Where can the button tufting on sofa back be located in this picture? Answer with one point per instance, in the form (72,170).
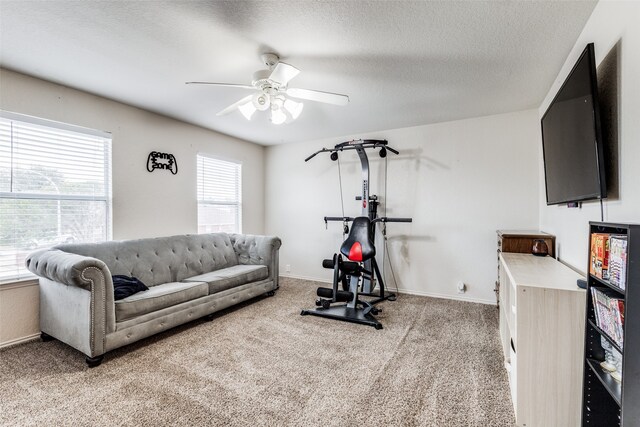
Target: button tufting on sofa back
(163,259)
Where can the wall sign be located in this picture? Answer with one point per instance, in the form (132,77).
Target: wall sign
(158,160)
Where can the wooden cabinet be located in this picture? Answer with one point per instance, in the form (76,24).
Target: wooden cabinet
(521,241)
(542,332)
(607,402)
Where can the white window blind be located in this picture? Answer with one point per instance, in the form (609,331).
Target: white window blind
(55,187)
(219,196)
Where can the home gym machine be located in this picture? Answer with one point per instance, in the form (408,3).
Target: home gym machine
(359,275)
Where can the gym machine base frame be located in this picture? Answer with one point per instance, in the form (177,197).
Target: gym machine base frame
(347,314)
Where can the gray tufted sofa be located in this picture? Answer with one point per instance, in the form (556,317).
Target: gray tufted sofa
(188,276)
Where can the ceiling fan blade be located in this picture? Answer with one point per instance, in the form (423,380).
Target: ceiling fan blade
(221,84)
(283,73)
(235,105)
(318,96)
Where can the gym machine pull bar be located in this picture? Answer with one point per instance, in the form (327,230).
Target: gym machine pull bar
(380,219)
(353,145)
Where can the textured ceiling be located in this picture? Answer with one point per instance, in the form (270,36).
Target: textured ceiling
(402,63)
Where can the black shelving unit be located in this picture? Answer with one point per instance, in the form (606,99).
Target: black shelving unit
(606,402)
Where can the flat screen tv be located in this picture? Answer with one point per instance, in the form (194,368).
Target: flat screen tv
(572,138)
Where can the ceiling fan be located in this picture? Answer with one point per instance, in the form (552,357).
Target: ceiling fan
(271,92)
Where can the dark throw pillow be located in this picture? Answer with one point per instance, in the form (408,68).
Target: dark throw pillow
(124,286)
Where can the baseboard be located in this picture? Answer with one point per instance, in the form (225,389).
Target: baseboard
(405,291)
(446,296)
(19,340)
(313,279)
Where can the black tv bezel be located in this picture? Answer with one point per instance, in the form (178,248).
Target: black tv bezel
(602,194)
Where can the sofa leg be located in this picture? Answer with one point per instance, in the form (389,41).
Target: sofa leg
(271,293)
(46,337)
(92,362)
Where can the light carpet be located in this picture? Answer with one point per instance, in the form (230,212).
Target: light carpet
(436,363)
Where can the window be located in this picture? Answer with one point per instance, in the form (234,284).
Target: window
(55,187)
(219,196)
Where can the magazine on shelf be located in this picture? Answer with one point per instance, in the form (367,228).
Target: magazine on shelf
(618,260)
(599,262)
(609,313)
(618,309)
(596,308)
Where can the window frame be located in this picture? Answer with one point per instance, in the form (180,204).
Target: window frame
(239,203)
(107,165)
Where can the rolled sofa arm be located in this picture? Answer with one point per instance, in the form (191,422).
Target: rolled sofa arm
(76,298)
(65,267)
(258,250)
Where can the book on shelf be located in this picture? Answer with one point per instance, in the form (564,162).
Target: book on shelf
(617,260)
(609,313)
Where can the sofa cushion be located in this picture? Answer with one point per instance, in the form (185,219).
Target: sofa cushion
(227,278)
(159,297)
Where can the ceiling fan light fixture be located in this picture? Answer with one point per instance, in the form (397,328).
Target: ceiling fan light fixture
(271,93)
(247,109)
(261,101)
(278,116)
(294,108)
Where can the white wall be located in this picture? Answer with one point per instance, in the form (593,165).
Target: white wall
(460,181)
(144,204)
(611,24)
